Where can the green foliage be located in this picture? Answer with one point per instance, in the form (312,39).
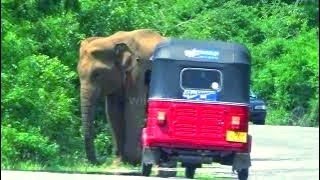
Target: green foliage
(56,40)
(40,41)
(278,117)
(19,145)
(41,96)
(103,144)
(289,78)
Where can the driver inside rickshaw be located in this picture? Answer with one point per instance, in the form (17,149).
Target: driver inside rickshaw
(201,79)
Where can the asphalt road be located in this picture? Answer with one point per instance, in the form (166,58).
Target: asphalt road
(278,153)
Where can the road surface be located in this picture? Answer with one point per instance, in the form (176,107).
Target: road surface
(278,153)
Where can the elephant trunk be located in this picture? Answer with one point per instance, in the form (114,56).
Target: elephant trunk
(88,99)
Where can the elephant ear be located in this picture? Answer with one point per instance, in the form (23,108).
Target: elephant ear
(125,56)
(120,48)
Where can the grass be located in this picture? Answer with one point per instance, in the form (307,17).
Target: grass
(80,167)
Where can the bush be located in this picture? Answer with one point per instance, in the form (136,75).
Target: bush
(277,117)
(23,145)
(287,78)
(47,104)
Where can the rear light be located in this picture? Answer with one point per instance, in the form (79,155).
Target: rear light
(161,116)
(235,122)
(238,118)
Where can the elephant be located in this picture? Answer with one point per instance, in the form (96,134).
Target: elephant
(113,68)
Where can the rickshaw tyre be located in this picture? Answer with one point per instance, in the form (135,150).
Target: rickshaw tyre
(165,174)
(243,174)
(146,169)
(190,172)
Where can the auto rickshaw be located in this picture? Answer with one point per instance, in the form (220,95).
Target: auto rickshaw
(198,106)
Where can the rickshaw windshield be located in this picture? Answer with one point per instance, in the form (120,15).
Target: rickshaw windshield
(201,79)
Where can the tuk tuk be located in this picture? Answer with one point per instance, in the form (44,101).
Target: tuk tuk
(198,106)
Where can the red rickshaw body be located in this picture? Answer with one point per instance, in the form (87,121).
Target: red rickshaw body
(204,125)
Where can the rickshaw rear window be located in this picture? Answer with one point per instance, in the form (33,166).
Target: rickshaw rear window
(198,78)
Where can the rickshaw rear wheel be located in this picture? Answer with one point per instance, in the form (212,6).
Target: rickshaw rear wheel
(190,171)
(243,174)
(146,169)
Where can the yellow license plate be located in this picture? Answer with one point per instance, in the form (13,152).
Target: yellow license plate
(236,136)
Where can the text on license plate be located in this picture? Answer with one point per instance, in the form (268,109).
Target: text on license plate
(236,136)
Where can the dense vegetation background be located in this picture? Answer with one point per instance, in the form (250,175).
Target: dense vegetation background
(40,41)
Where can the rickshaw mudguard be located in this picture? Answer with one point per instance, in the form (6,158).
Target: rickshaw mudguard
(150,155)
(242,160)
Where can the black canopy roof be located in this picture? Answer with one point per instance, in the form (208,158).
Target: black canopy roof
(198,50)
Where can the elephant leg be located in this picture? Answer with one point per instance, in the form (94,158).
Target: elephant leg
(134,117)
(115,111)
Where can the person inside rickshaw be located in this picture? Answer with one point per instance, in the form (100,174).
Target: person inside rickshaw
(201,79)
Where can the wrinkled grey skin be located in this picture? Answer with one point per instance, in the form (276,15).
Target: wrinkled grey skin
(113,67)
